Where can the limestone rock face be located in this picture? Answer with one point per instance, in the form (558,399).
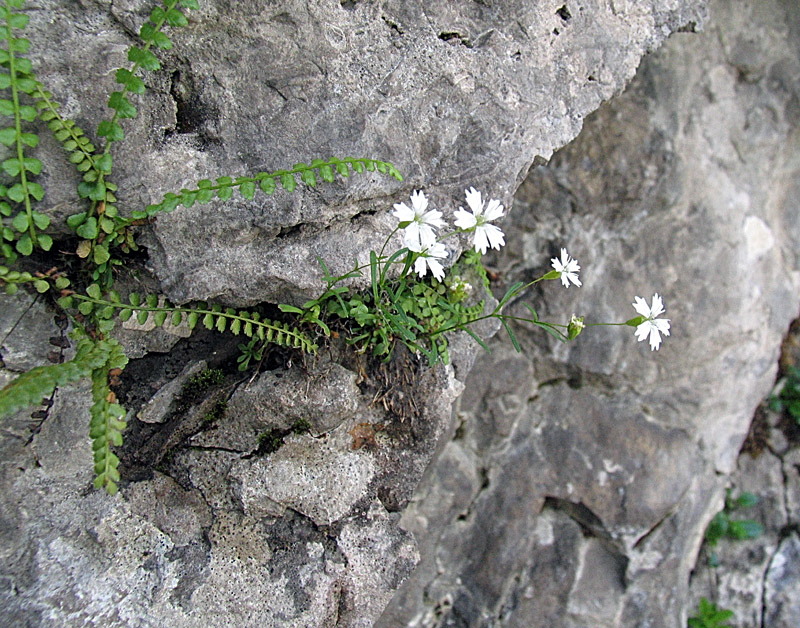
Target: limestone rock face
(573,484)
(454,93)
(685,185)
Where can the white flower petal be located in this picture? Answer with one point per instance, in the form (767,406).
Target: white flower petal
(642,330)
(480,240)
(403,212)
(494,235)
(433,218)
(474,201)
(663,325)
(419,202)
(420,266)
(573,278)
(657,307)
(641,307)
(655,339)
(464,220)
(436,268)
(494,210)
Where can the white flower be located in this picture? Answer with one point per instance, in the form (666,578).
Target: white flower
(652,326)
(486,235)
(419,230)
(427,259)
(568,268)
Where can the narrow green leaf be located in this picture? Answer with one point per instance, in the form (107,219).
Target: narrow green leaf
(511,336)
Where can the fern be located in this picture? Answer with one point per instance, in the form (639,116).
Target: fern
(31,387)
(26,226)
(268,182)
(107,424)
(151,34)
(213,316)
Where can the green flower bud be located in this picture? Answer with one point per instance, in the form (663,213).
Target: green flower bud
(575,327)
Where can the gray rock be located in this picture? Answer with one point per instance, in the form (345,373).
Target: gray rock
(259,87)
(685,186)
(283,401)
(157,409)
(782,585)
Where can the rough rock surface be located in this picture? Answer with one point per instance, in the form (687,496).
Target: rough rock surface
(454,93)
(580,478)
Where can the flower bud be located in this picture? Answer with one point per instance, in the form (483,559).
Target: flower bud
(575,327)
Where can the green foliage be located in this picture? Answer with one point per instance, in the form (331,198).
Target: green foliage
(709,616)
(787,399)
(10,280)
(93,359)
(103,234)
(723,526)
(216,412)
(267,182)
(141,58)
(202,381)
(21,225)
(107,422)
(212,316)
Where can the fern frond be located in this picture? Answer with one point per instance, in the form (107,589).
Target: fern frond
(30,388)
(107,420)
(268,182)
(213,316)
(26,226)
(142,58)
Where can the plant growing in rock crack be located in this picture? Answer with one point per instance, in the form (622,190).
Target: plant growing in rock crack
(418,311)
(105,235)
(410,297)
(724,526)
(786,397)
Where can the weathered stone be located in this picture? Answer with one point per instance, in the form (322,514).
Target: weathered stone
(317,401)
(685,186)
(318,480)
(782,607)
(157,409)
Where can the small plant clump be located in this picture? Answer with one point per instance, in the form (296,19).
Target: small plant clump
(787,397)
(724,526)
(415,293)
(202,381)
(710,616)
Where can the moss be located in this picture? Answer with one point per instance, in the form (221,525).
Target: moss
(202,381)
(216,412)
